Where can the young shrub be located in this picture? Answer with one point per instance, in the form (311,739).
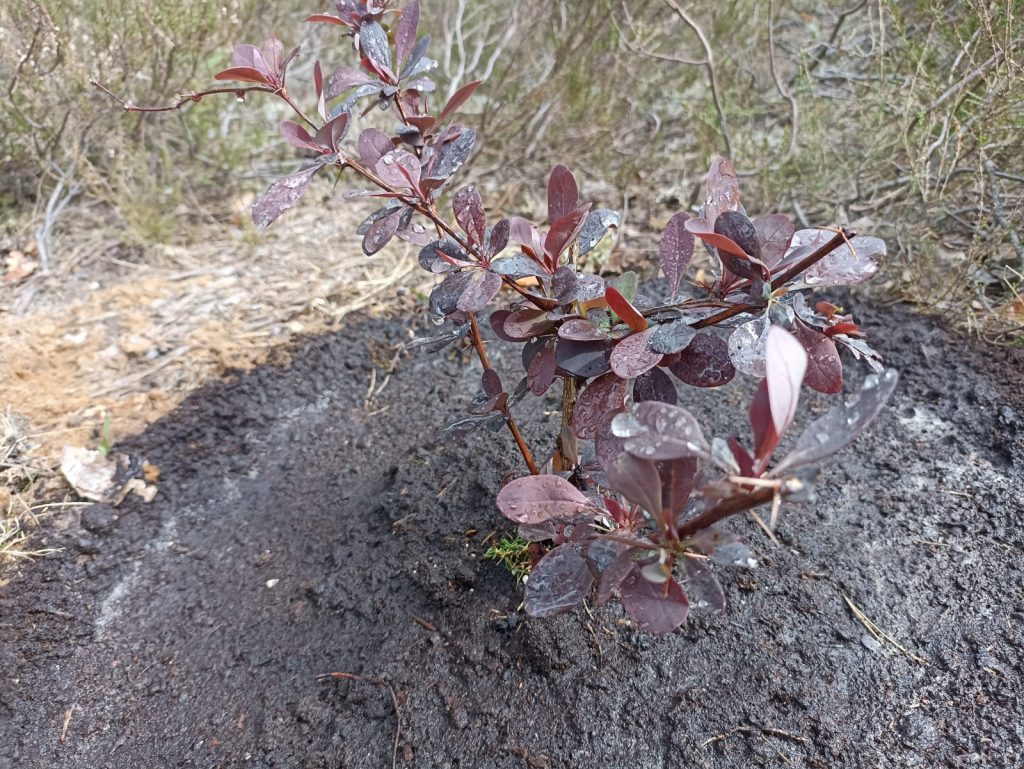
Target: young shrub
(630,498)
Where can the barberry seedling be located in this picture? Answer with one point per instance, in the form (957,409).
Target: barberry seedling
(632,491)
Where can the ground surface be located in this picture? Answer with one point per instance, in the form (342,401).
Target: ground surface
(302,528)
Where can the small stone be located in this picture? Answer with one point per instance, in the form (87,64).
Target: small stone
(870,642)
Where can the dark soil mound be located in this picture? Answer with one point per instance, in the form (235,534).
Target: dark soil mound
(299,532)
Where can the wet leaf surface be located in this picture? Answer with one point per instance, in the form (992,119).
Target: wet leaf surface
(657,609)
(559,581)
(632,356)
(597,404)
(705,362)
(536,499)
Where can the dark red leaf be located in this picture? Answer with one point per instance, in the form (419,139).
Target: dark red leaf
(658,431)
(405,33)
(633,355)
(621,306)
(541,372)
(654,385)
(480,290)
(242,74)
(602,399)
(739,230)
(559,581)
(657,609)
(583,359)
(469,213)
(678,477)
(444,298)
(282,195)
(637,480)
(824,368)
(373,144)
(525,324)
(298,136)
(458,99)
(563,193)
(766,438)
(704,362)
(563,232)
(535,499)
(774,234)
(676,250)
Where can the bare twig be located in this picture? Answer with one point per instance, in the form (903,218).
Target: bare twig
(877,633)
(999,211)
(63,193)
(794,106)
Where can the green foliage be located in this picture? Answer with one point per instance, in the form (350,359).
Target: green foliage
(514,554)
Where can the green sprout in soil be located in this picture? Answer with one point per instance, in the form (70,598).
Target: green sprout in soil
(514,554)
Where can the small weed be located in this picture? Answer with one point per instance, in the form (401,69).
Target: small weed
(514,554)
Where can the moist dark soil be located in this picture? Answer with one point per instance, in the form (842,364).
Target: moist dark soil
(300,529)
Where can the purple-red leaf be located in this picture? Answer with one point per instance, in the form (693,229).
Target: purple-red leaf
(637,480)
(601,400)
(659,431)
(381,232)
(657,609)
(538,498)
(704,362)
(399,169)
(481,289)
(298,136)
(458,99)
(559,581)
(541,372)
(622,307)
(373,144)
(282,195)
(405,33)
(563,232)
(469,213)
(839,426)
(824,368)
(563,193)
(633,355)
(676,250)
(774,234)
(654,385)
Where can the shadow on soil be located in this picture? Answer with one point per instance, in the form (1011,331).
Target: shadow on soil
(298,532)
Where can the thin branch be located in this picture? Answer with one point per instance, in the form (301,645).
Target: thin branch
(709,64)
(738,503)
(794,106)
